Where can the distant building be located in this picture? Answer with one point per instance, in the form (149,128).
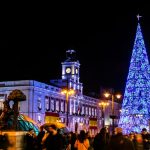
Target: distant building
(45,103)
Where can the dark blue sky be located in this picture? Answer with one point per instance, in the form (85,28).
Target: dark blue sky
(102,35)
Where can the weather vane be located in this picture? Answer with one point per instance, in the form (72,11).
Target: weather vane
(70,51)
(138,17)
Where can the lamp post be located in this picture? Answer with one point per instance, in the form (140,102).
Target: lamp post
(103,105)
(67,92)
(112,116)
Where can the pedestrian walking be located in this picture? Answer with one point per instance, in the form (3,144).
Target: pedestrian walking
(82,142)
(101,140)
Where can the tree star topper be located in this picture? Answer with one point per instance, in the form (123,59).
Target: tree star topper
(138,17)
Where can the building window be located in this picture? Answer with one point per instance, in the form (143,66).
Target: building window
(82,109)
(62,106)
(52,104)
(79,109)
(57,105)
(65,106)
(72,107)
(47,104)
(76,106)
(86,110)
(93,112)
(39,118)
(39,104)
(90,111)
(62,120)
(87,122)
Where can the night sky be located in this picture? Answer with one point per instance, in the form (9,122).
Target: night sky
(102,35)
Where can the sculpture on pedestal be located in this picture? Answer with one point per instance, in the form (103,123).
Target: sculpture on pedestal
(8,117)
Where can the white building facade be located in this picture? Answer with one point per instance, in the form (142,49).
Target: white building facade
(45,103)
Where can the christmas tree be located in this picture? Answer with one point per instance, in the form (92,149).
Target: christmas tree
(135,112)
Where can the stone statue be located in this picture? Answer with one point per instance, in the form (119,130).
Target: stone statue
(6,116)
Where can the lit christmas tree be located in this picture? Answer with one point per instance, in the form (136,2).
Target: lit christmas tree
(135,112)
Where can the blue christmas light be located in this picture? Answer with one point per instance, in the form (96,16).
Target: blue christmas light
(135,113)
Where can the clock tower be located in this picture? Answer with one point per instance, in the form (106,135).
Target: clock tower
(70,71)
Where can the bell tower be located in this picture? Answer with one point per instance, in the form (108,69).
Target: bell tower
(70,71)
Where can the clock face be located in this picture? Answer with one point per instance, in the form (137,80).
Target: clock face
(76,71)
(68,70)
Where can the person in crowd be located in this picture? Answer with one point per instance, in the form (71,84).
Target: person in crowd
(138,142)
(90,138)
(38,140)
(72,140)
(136,139)
(119,142)
(131,136)
(146,139)
(30,139)
(82,142)
(2,139)
(52,139)
(68,141)
(4,142)
(101,140)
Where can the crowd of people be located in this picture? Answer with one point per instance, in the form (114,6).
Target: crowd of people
(50,138)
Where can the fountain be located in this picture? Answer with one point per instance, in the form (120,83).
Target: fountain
(13,125)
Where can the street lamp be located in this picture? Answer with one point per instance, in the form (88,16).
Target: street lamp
(67,92)
(112,116)
(103,105)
